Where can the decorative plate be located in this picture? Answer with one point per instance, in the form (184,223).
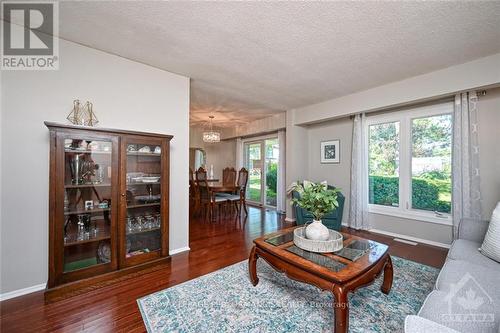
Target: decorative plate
(104,252)
(149,179)
(148,198)
(334,243)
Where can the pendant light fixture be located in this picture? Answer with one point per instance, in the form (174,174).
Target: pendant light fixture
(211,136)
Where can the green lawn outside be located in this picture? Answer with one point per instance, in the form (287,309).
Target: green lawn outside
(254,191)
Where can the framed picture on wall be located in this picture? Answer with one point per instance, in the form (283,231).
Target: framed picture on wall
(330,151)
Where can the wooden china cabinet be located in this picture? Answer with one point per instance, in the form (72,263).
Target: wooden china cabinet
(108,206)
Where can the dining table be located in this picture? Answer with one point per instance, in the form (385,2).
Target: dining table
(223,188)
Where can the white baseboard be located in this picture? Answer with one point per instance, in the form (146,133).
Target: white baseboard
(21,292)
(410,238)
(290,219)
(405,241)
(182,249)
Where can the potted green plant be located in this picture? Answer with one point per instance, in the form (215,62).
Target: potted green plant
(318,200)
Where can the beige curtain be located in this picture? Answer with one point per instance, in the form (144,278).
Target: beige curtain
(358,203)
(466,178)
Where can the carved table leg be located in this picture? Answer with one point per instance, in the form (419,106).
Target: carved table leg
(388,272)
(252,267)
(341,310)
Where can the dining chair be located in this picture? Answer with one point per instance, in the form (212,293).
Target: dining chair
(201,174)
(228,176)
(228,180)
(240,197)
(208,200)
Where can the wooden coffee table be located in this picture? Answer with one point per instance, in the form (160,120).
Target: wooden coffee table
(328,271)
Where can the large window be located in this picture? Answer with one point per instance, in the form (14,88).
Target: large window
(409,163)
(383,164)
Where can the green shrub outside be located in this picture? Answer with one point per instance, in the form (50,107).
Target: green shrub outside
(426,193)
(272,179)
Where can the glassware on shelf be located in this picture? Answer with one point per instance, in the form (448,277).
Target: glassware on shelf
(81,229)
(66,202)
(99,174)
(94,230)
(130,224)
(149,222)
(139,224)
(157,220)
(76,167)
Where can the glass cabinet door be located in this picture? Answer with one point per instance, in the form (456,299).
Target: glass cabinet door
(88,192)
(142,219)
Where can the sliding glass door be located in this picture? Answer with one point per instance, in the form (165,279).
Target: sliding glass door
(261,160)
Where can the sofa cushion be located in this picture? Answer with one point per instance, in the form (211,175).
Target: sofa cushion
(491,244)
(455,271)
(416,324)
(446,309)
(465,250)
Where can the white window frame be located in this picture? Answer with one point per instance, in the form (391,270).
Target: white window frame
(405,118)
(262,140)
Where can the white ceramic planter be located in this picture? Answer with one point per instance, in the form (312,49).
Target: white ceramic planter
(317,231)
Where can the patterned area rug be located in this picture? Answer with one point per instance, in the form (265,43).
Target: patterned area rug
(226,301)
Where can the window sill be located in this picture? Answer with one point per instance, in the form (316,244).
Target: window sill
(411,215)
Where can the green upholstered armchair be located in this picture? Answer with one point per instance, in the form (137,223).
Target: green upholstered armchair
(332,220)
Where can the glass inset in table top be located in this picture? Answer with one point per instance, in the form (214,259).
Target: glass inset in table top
(355,250)
(317,258)
(280,239)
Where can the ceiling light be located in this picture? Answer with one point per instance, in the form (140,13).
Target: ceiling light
(211,136)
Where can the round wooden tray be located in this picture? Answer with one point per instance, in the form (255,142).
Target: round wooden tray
(334,243)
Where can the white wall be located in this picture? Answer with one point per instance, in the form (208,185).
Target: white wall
(126,95)
(338,175)
(296,155)
(489,163)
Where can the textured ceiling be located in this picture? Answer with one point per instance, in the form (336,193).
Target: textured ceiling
(250,59)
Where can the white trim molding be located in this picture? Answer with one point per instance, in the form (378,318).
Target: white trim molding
(416,215)
(21,292)
(179,250)
(410,238)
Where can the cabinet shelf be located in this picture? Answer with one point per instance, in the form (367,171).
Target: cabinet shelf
(133,184)
(90,240)
(153,204)
(71,151)
(71,186)
(142,154)
(142,231)
(85,211)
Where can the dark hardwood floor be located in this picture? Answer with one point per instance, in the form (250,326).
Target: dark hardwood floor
(213,245)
